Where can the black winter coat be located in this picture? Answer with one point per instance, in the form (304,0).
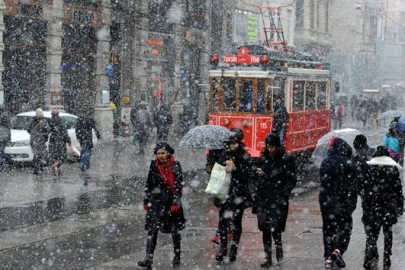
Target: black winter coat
(381,192)
(273,190)
(160,198)
(84,134)
(338,191)
(241,188)
(163,119)
(58,139)
(5,132)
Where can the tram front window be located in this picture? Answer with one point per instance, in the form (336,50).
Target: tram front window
(298,95)
(260,97)
(229,98)
(245,97)
(321,100)
(310,96)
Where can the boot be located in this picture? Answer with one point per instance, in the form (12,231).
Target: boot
(233,252)
(150,249)
(222,253)
(176,246)
(387,259)
(279,254)
(267,261)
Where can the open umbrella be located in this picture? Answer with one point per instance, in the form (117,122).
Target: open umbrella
(390,115)
(401,124)
(205,137)
(322,147)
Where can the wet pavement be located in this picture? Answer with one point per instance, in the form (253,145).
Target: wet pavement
(95,220)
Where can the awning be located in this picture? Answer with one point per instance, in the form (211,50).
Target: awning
(401,84)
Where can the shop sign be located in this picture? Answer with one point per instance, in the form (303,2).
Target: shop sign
(126,115)
(88,18)
(126,100)
(56,98)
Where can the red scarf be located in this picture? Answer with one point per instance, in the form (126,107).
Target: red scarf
(167,173)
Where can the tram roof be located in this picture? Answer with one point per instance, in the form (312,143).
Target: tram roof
(257,72)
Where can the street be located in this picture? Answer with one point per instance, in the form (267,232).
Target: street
(95,220)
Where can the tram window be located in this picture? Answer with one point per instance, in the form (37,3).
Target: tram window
(310,95)
(321,100)
(260,97)
(298,95)
(245,97)
(229,98)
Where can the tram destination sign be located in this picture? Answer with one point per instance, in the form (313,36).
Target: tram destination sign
(242,58)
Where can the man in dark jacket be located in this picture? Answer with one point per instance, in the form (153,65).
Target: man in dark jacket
(84,126)
(162,120)
(363,153)
(142,123)
(280,120)
(5,137)
(337,199)
(382,202)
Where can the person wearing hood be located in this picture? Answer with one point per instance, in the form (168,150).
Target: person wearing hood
(5,137)
(391,141)
(276,172)
(84,126)
(239,163)
(280,119)
(162,202)
(337,200)
(58,139)
(382,201)
(39,131)
(162,120)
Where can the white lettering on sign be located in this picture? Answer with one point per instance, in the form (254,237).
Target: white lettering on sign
(229,59)
(263,125)
(255,59)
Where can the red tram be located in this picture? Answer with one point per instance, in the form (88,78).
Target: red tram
(243,87)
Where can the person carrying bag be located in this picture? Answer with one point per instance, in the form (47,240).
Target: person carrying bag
(219,183)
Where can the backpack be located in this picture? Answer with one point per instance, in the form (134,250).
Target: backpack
(340,110)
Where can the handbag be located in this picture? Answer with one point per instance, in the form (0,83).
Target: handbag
(219,183)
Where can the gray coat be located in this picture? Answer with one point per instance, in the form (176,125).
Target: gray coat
(39,130)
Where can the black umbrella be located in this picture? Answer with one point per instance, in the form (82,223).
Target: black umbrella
(205,137)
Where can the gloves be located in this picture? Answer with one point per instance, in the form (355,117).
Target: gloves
(145,207)
(174,208)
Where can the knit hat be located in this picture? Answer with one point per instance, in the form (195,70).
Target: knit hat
(381,151)
(39,113)
(273,140)
(360,141)
(237,135)
(165,146)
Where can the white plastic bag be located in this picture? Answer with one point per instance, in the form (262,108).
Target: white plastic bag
(77,152)
(219,183)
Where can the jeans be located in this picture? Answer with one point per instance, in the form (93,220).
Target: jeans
(85,159)
(2,158)
(280,134)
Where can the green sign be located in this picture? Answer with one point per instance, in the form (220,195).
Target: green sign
(252,28)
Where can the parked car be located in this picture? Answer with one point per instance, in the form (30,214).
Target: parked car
(20,149)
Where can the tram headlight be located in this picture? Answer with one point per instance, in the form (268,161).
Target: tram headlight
(245,123)
(214,59)
(264,59)
(226,122)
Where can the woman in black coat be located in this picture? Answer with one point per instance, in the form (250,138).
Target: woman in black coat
(238,162)
(277,178)
(382,202)
(163,202)
(58,139)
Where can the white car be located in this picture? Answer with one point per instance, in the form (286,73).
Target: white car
(20,149)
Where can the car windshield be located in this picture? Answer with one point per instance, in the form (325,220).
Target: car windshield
(20,122)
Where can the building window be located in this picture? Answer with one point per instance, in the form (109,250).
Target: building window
(298,95)
(299,14)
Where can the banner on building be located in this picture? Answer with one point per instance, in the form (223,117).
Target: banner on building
(246,28)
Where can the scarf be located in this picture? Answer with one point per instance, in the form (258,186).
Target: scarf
(167,173)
